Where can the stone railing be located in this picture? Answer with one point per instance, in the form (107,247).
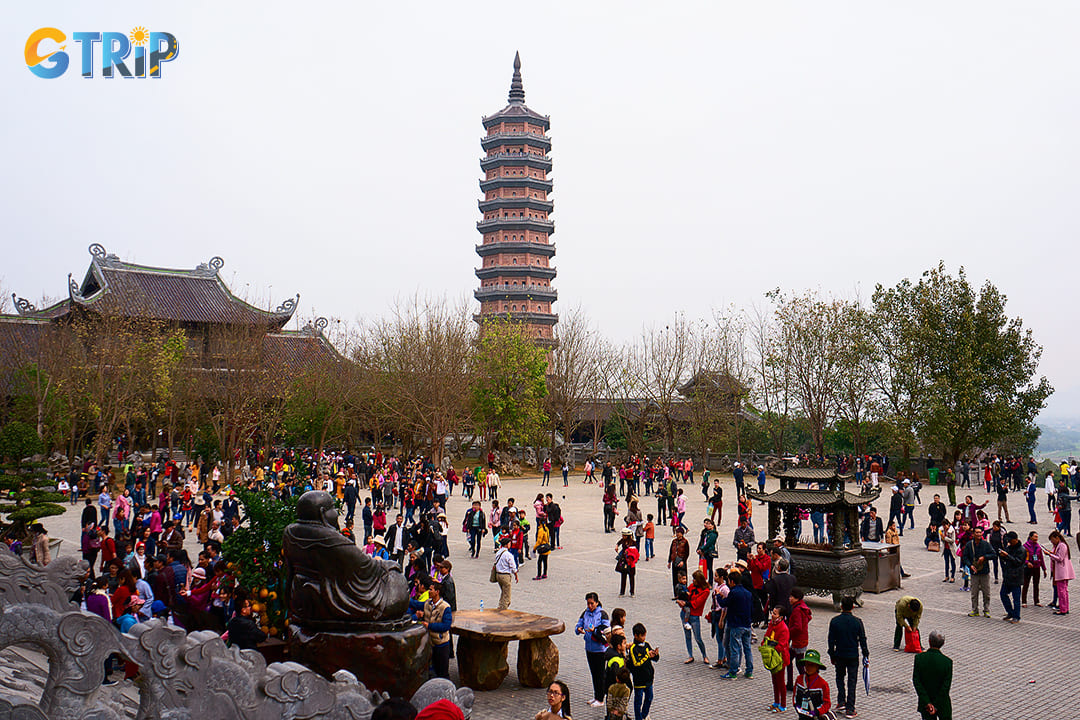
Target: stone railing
(180,675)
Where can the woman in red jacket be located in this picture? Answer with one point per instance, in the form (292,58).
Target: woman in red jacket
(699,592)
(777,635)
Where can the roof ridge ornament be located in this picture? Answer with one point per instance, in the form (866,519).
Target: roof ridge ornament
(517,89)
(22,305)
(289,305)
(315,327)
(98,252)
(73,287)
(210,269)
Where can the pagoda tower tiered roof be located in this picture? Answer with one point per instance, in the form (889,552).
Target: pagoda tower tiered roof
(516,251)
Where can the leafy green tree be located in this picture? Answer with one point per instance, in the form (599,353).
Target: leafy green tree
(19,440)
(253,551)
(982,364)
(856,398)
(28,491)
(900,373)
(970,369)
(510,386)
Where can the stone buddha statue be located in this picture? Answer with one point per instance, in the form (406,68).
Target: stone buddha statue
(333,584)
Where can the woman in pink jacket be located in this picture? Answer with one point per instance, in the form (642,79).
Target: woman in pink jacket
(1062,569)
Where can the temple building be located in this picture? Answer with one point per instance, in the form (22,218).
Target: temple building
(516,251)
(197,301)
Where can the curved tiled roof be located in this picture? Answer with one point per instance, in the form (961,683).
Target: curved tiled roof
(199,295)
(195,296)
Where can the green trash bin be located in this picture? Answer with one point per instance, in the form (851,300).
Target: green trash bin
(932,473)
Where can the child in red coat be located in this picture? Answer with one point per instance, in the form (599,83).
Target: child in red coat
(778,636)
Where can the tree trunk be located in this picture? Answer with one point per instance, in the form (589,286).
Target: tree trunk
(738,436)
(41,418)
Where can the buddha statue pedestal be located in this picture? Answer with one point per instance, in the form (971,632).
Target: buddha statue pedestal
(393,659)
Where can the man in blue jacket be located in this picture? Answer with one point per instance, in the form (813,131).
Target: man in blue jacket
(593,624)
(738,602)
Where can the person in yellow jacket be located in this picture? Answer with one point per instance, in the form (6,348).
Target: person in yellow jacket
(543,543)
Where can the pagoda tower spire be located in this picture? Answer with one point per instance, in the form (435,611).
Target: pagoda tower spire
(517,88)
(516,250)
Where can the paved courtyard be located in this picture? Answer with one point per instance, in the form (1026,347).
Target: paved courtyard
(1001,671)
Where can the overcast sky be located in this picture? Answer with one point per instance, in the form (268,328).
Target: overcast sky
(703,153)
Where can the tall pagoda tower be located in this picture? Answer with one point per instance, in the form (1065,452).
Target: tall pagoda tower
(515,254)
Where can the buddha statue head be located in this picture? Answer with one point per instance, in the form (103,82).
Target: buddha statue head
(317,507)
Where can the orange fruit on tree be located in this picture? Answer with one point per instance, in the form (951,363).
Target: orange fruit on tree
(263,593)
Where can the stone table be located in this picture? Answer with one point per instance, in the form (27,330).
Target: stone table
(484,637)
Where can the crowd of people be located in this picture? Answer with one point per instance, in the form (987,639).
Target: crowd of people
(134,542)
(622,662)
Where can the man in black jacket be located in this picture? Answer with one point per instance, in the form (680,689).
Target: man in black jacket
(397,539)
(1012,557)
(896,508)
(871,530)
(89,514)
(778,588)
(350,494)
(244,632)
(846,636)
(937,511)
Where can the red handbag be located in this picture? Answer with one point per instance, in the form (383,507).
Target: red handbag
(912,643)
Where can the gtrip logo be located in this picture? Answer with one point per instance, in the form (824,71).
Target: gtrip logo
(46,56)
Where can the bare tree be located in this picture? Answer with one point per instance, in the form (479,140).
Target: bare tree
(665,366)
(619,377)
(812,344)
(233,383)
(572,370)
(705,390)
(112,357)
(736,367)
(422,357)
(773,381)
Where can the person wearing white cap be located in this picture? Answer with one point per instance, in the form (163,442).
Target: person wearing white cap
(626,561)
(909,506)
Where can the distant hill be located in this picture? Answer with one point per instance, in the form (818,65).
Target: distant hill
(1059,439)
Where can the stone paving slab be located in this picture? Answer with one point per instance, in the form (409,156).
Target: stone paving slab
(1002,672)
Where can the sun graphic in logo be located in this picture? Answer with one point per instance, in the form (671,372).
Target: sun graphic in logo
(139,36)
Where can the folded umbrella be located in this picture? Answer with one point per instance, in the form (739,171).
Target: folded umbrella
(866,674)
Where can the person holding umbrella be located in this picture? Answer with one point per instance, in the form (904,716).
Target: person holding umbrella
(846,636)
